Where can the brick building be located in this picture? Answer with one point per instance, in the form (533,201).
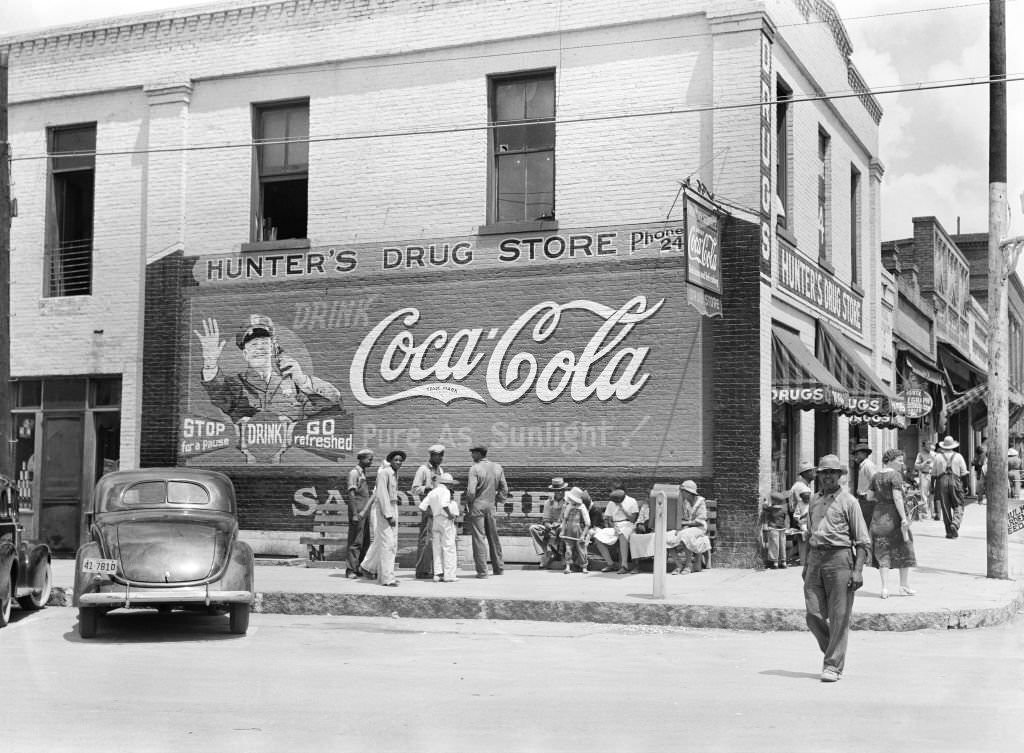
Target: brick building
(574,230)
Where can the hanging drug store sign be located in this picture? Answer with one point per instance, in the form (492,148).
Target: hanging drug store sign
(821,291)
(478,252)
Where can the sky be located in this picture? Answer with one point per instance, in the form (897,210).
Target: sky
(933,144)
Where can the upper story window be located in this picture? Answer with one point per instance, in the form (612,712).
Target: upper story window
(522,137)
(783,114)
(824,196)
(855,212)
(69,212)
(280,197)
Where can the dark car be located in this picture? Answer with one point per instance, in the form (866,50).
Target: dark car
(164,538)
(24,565)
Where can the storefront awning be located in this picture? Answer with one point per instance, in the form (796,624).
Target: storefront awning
(977,394)
(925,371)
(800,379)
(870,400)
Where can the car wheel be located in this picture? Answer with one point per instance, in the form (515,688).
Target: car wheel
(87,621)
(239,619)
(6,601)
(39,596)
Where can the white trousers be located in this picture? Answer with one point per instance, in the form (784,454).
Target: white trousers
(446,559)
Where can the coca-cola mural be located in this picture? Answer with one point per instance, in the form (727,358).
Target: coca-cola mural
(552,367)
(583,346)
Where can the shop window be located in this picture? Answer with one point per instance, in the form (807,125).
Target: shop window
(69,220)
(824,208)
(281,133)
(64,393)
(28,393)
(522,137)
(854,225)
(783,110)
(105,392)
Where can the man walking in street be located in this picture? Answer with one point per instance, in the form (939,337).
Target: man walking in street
(485,489)
(831,573)
(357,497)
(423,483)
(951,481)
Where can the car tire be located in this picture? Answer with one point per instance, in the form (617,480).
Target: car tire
(7,601)
(38,599)
(88,618)
(239,618)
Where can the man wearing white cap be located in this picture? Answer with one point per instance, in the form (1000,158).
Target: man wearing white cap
(443,511)
(951,479)
(423,482)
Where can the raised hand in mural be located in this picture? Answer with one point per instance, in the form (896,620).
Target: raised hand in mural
(210,342)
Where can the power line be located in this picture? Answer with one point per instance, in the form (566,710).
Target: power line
(558,121)
(335,65)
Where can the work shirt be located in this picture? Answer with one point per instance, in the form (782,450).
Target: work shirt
(836,521)
(866,472)
(486,484)
(438,500)
(425,479)
(358,492)
(385,494)
(949,460)
(797,504)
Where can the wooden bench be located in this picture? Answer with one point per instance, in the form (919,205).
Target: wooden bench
(330,528)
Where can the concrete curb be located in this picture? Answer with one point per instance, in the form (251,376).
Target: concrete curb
(762,619)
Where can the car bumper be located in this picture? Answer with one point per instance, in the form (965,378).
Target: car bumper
(127,596)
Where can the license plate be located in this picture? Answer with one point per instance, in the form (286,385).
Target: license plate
(95,565)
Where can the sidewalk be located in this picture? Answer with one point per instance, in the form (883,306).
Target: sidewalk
(952,592)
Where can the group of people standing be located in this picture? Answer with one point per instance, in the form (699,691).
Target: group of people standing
(373,517)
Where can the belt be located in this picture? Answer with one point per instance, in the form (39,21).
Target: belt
(829,547)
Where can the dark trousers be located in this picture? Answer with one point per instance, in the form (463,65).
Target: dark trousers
(425,547)
(358,543)
(829,601)
(950,495)
(485,537)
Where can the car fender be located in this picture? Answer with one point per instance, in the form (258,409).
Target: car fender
(238,576)
(8,560)
(85,582)
(38,556)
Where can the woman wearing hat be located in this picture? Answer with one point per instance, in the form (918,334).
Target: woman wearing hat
(951,477)
(892,544)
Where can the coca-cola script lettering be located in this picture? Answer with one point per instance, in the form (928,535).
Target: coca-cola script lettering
(604,369)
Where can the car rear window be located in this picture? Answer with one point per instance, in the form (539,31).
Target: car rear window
(151,493)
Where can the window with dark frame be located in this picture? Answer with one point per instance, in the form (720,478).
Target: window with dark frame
(523,148)
(782,115)
(69,213)
(854,224)
(282,171)
(824,208)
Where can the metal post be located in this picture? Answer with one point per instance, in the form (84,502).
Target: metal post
(660,504)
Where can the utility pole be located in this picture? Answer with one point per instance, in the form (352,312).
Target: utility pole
(6,435)
(998,324)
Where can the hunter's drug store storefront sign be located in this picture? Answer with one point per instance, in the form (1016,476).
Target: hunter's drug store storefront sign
(555,350)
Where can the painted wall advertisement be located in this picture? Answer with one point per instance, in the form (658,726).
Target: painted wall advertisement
(595,366)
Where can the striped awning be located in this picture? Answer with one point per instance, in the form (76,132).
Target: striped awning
(870,400)
(800,379)
(979,393)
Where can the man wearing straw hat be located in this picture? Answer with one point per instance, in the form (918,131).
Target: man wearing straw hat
(422,483)
(951,479)
(831,573)
(545,533)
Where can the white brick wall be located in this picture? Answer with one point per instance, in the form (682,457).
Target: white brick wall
(387,67)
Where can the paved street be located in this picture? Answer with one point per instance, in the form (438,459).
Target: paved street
(297,682)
